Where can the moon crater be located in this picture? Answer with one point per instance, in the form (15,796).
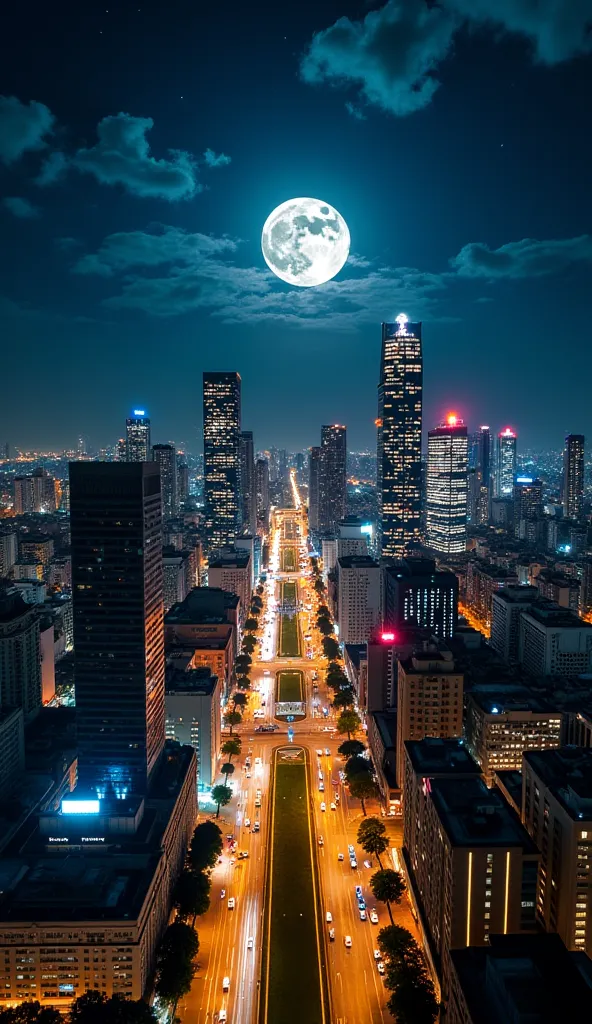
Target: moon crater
(305,242)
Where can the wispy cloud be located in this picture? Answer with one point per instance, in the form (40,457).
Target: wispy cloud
(526,258)
(212,159)
(23,127)
(393,54)
(356,112)
(53,169)
(20,208)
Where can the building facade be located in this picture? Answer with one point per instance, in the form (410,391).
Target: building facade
(222,458)
(166,457)
(248,483)
(502,723)
(193,717)
(447,487)
(418,594)
(573,476)
(20,653)
(359,598)
(430,698)
(332,477)
(137,437)
(314,472)
(506,462)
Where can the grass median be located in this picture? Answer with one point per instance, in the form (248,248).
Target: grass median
(289,561)
(293,988)
(289,644)
(290,686)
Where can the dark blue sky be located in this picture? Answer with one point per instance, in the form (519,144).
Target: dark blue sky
(457,150)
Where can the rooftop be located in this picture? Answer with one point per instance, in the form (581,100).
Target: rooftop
(473,815)
(505,699)
(567,772)
(357,562)
(230,558)
(517,595)
(552,616)
(198,681)
(433,757)
(202,604)
(386,722)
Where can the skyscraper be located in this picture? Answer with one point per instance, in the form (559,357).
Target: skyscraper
(484,454)
(314,469)
(332,479)
(137,434)
(166,457)
(262,488)
(573,476)
(248,488)
(447,487)
(182,484)
(506,462)
(116,528)
(399,436)
(222,463)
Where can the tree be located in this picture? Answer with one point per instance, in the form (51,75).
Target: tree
(232,747)
(251,624)
(323,612)
(324,626)
(357,765)
(30,1013)
(227,769)
(337,680)
(351,748)
(174,962)
(206,846)
(363,788)
(344,698)
(221,795)
(243,663)
(330,647)
(394,941)
(243,683)
(260,589)
(97,1008)
(319,585)
(191,895)
(388,887)
(240,700)
(348,722)
(372,837)
(249,643)
(231,718)
(414,1003)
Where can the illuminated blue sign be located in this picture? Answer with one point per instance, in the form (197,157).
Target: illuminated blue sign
(139,412)
(367,528)
(80,806)
(523,479)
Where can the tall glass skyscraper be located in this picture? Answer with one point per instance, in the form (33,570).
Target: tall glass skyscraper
(573,476)
(400,392)
(447,487)
(137,437)
(332,477)
(248,487)
(116,530)
(166,457)
(484,455)
(506,462)
(314,469)
(222,461)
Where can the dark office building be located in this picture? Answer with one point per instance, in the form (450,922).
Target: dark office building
(248,487)
(116,528)
(262,493)
(483,453)
(416,593)
(314,469)
(222,462)
(332,477)
(182,485)
(166,457)
(399,474)
(573,476)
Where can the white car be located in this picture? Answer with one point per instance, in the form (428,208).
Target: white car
(327,752)
(321,787)
(319,752)
(222,1018)
(323,805)
(231,903)
(250,942)
(321,841)
(374,917)
(247,822)
(377,954)
(362,915)
(328,917)
(266,672)
(225,984)
(339,856)
(333,807)
(380,967)
(347,942)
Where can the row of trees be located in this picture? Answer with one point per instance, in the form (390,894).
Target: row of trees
(243,662)
(413,999)
(91,1008)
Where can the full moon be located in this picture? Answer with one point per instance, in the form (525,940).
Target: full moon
(305,242)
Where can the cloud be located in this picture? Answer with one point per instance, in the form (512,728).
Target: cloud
(391,54)
(66,243)
(356,112)
(526,258)
(165,272)
(394,53)
(53,169)
(122,157)
(212,159)
(23,127)
(20,208)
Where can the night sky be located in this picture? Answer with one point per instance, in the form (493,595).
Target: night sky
(143,145)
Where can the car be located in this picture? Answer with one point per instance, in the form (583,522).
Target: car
(266,671)
(351,850)
(247,775)
(231,903)
(250,942)
(328,917)
(374,917)
(321,776)
(321,787)
(347,942)
(362,914)
(323,805)
(377,954)
(230,837)
(327,752)
(247,822)
(380,967)
(319,752)
(222,1018)
(257,761)
(331,935)
(353,862)
(258,802)
(256,827)
(359,893)
(361,905)
(333,807)
(258,794)
(243,855)
(321,841)
(222,893)
(367,863)
(225,984)
(339,856)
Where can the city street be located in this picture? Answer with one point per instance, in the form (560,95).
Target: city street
(357,992)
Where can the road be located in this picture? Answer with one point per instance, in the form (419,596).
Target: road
(358,995)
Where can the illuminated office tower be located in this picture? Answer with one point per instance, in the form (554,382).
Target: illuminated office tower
(222,461)
(248,489)
(573,476)
(166,457)
(447,487)
(182,484)
(117,585)
(314,469)
(399,437)
(506,462)
(332,477)
(137,434)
